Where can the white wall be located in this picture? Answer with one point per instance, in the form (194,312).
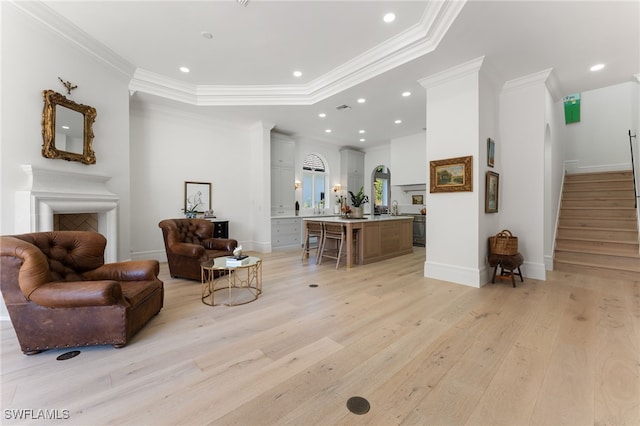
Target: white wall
(33,57)
(635,130)
(522,151)
(599,141)
(554,161)
(169,147)
(489,110)
(452,225)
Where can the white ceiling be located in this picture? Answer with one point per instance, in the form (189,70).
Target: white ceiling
(345,51)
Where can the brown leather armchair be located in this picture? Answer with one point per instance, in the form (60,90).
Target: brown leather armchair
(189,242)
(60,293)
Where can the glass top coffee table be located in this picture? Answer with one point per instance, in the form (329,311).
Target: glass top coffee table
(243,282)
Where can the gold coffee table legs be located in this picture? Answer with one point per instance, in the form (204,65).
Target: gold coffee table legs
(243,284)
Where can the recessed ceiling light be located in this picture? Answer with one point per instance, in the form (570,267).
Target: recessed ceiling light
(362,100)
(322,115)
(65,127)
(597,67)
(207,35)
(362,139)
(406,94)
(360,131)
(389,17)
(184,69)
(297,73)
(398,121)
(328,131)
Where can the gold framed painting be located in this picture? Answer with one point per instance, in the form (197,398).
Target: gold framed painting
(451,175)
(491,195)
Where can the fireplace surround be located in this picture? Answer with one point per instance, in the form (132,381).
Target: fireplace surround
(51,192)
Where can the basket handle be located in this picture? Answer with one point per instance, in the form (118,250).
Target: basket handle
(504,233)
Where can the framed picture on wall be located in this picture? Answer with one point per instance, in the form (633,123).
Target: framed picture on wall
(451,175)
(491,152)
(197,197)
(417,199)
(491,195)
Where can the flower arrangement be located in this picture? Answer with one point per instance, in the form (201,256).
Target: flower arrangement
(359,199)
(193,203)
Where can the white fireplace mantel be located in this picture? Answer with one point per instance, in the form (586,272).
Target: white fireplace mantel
(52,192)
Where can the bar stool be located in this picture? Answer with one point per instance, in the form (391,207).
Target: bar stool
(333,231)
(312,229)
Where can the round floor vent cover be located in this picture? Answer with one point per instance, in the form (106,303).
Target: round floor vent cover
(68,355)
(358,405)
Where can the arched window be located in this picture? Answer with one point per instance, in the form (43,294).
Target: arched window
(313,182)
(381,188)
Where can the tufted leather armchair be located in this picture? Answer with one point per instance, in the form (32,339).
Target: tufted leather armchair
(189,242)
(60,293)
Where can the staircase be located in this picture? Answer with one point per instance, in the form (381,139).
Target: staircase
(598,228)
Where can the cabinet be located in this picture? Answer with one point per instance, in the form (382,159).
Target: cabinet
(282,151)
(351,170)
(282,190)
(220,228)
(282,176)
(286,232)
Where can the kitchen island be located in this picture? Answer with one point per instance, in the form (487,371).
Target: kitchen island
(377,237)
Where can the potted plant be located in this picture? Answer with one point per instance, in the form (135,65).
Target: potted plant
(191,211)
(357,201)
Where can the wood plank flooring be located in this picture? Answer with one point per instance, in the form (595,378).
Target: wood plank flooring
(565,351)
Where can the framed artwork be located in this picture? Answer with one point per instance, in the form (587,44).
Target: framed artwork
(197,197)
(451,175)
(491,195)
(491,152)
(417,199)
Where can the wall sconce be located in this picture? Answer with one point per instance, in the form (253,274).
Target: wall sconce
(336,187)
(296,184)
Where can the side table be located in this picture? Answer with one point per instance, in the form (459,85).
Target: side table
(244,283)
(509,263)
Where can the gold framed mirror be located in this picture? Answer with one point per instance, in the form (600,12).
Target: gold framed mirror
(67,129)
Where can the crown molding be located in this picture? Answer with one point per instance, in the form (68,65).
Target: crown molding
(412,43)
(454,73)
(546,77)
(70,32)
(540,77)
(553,84)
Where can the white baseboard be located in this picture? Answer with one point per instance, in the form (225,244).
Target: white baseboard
(548,263)
(603,168)
(535,270)
(466,276)
(159,255)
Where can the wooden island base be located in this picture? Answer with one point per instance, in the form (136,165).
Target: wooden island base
(377,238)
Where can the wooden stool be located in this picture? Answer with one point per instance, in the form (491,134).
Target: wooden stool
(508,263)
(333,231)
(312,229)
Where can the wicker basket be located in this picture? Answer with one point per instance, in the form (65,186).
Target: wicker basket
(504,243)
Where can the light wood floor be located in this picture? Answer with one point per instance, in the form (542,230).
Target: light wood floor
(421,351)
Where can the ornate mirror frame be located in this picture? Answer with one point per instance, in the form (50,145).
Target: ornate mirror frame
(49,150)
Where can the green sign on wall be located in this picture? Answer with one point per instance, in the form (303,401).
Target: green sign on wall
(572,108)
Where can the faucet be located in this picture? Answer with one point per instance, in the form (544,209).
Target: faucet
(394,208)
